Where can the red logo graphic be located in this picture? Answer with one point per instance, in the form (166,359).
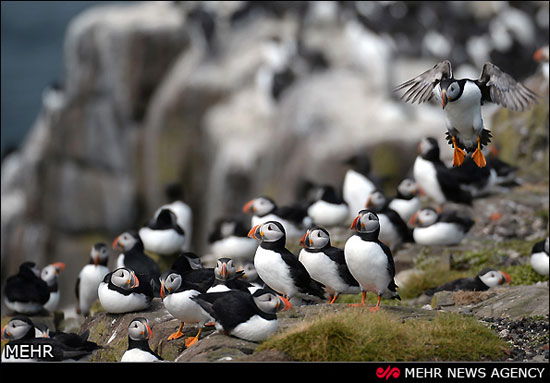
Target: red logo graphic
(388,372)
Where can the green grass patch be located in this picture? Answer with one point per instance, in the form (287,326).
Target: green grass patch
(524,275)
(355,334)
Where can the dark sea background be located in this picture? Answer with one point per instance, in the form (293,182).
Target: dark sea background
(32,59)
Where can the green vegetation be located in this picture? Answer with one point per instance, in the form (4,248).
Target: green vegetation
(355,334)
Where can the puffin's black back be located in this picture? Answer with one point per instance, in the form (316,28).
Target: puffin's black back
(25,286)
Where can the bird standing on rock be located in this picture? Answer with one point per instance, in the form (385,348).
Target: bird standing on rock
(461,100)
(139,333)
(90,277)
(25,292)
(49,274)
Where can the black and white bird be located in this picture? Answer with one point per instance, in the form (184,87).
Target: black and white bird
(484,280)
(393,230)
(539,257)
(326,264)
(122,291)
(358,184)
(25,292)
(369,260)
(406,201)
(279,269)
(49,275)
(434,178)
(90,277)
(327,209)
(461,100)
(227,277)
(445,228)
(189,265)
(20,332)
(163,235)
(293,218)
(243,315)
(229,238)
(176,294)
(139,333)
(134,258)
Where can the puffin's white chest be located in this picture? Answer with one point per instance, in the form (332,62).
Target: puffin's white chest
(356,189)
(539,262)
(137,355)
(322,269)
(368,264)
(114,302)
(327,214)
(440,233)
(255,329)
(182,307)
(425,176)
(167,241)
(464,114)
(274,271)
(52,303)
(405,207)
(90,278)
(388,233)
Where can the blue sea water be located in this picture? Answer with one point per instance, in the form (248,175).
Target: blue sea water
(32,58)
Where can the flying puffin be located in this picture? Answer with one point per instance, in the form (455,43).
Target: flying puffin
(484,280)
(461,100)
(279,268)
(228,278)
(539,257)
(445,228)
(163,235)
(20,331)
(328,209)
(243,315)
(229,238)
(370,261)
(326,263)
(436,180)
(90,277)
(176,294)
(25,292)
(49,274)
(139,333)
(133,257)
(122,291)
(393,230)
(264,209)
(358,184)
(406,201)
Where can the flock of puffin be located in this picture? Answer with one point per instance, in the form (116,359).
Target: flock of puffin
(256,275)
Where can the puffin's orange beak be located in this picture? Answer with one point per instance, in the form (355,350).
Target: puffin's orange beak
(116,245)
(368,204)
(254,232)
(507,277)
(444,99)
(149,332)
(537,56)
(7,333)
(286,303)
(59,267)
(354,223)
(162,294)
(303,240)
(248,207)
(413,219)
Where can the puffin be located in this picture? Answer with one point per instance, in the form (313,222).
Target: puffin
(328,209)
(393,230)
(434,178)
(176,294)
(228,278)
(326,263)
(539,257)
(189,265)
(484,280)
(445,228)
(123,291)
(49,274)
(461,100)
(229,238)
(20,331)
(139,333)
(293,218)
(25,292)
(369,260)
(163,235)
(133,257)
(406,201)
(279,269)
(90,277)
(358,184)
(251,317)
(184,215)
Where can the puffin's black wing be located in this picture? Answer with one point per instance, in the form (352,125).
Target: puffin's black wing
(452,217)
(228,308)
(420,88)
(337,256)
(499,87)
(300,275)
(450,185)
(21,289)
(401,226)
(465,284)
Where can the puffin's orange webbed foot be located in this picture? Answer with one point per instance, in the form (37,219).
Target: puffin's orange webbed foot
(458,155)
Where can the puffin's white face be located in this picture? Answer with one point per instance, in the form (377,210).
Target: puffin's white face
(49,273)
(376,199)
(250,272)
(15,329)
(270,303)
(260,206)
(315,239)
(407,188)
(99,253)
(124,278)
(494,278)
(426,217)
(169,284)
(125,241)
(271,231)
(225,269)
(139,329)
(366,222)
